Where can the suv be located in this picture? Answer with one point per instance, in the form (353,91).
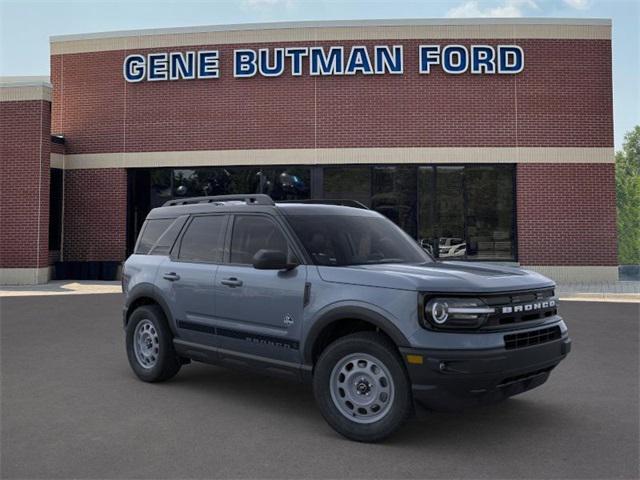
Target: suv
(338,296)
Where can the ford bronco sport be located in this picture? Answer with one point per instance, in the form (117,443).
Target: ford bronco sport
(338,296)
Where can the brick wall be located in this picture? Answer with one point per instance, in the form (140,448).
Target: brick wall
(566,214)
(57,148)
(562,98)
(95,213)
(24,191)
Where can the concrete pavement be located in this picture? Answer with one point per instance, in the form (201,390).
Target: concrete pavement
(71,408)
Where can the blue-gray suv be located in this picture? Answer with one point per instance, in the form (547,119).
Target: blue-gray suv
(338,296)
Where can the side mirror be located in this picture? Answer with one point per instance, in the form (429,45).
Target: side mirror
(272,260)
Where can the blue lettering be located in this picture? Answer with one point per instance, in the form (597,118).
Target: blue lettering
(277,68)
(455,59)
(296,55)
(208,64)
(133,68)
(359,61)
(179,67)
(158,67)
(331,64)
(244,63)
(429,55)
(483,59)
(388,62)
(510,59)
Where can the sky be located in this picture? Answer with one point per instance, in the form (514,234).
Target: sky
(25,26)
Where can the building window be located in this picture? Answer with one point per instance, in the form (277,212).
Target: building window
(55,209)
(467,212)
(393,193)
(281,183)
(457,212)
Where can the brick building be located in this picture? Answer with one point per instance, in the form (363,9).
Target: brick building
(486,140)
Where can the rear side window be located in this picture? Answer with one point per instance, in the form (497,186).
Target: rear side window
(252,233)
(167,239)
(204,239)
(150,234)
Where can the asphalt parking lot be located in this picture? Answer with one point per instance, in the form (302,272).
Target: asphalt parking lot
(71,408)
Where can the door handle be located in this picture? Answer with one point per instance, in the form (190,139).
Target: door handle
(231,282)
(171,276)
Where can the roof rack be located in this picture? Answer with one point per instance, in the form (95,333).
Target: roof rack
(257,199)
(320,201)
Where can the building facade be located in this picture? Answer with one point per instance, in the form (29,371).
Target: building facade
(486,140)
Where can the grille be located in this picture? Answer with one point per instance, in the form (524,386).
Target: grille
(513,300)
(533,337)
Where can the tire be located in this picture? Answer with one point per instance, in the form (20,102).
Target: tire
(153,359)
(365,370)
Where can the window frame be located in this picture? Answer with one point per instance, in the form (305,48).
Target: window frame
(292,240)
(143,230)
(177,246)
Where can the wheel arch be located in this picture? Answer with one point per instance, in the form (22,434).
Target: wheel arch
(145,294)
(331,319)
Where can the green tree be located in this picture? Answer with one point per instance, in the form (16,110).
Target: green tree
(628,198)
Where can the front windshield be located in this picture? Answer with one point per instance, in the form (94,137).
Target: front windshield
(339,240)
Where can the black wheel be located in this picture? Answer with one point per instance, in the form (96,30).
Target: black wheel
(362,388)
(150,345)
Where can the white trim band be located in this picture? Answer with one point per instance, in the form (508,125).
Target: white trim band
(576,274)
(24,276)
(511,28)
(337,156)
(25,93)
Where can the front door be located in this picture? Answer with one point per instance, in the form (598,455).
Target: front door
(259,312)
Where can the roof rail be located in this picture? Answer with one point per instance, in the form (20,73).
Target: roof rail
(257,199)
(320,201)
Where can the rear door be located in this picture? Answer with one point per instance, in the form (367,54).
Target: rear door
(259,312)
(187,277)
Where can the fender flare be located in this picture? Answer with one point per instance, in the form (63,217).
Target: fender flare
(149,291)
(355,313)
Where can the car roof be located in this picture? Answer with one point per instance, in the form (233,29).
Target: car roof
(289,208)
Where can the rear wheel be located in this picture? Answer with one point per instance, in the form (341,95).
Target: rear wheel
(150,345)
(362,388)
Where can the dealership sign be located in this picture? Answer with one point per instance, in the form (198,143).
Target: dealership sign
(325,61)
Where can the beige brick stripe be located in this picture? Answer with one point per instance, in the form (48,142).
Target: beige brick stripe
(18,94)
(328,156)
(577,274)
(332,31)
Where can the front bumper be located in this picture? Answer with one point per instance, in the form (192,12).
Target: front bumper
(454,379)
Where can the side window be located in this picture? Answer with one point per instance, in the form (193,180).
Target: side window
(167,239)
(151,233)
(252,233)
(204,239)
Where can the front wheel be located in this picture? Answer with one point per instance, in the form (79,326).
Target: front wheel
(361,387)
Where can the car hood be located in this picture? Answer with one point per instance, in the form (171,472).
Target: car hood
(460,277)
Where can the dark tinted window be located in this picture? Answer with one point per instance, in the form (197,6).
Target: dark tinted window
(167,239)
(252,233)
(280,183)
(467,212)
(353,183)
(204,239)
(151,233)
(55,209)
(393,194)
(338,240)
(490,208)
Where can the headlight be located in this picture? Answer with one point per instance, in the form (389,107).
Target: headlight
(456,312)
